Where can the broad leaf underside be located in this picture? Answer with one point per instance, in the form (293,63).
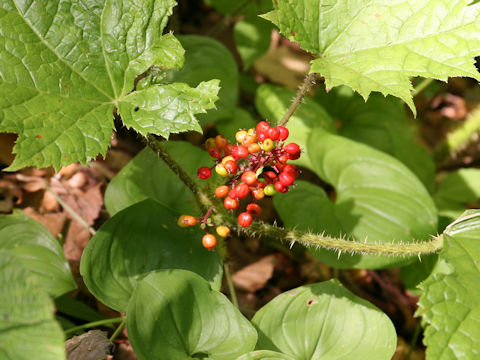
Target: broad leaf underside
(378,45)
(66,65)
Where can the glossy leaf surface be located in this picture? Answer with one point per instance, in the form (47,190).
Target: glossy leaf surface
(324,321)
(137,240)
(39,252)
(187,320)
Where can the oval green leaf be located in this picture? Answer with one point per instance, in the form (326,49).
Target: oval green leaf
(450,304)
(252,37)
(27,326)
(39,252)
(147,176)
(137,240)
(186,320)
(378,199)
(325,321)
(265,354)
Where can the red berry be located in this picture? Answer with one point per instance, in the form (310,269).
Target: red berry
(291,148)
(283,158)
(245,219)
(221,191)
(262,137)
(270,175)
(283,133)
(285,179)
(186,220)
(254,209)
(291,169)
(230,204)
(262,127)
(273,133)
(249,177)
(231,166)
(294,156)
(209,241)
(240,151)
(241,191)
(214,152)
(204,173)
(228,149)
(280,188)
(220,141)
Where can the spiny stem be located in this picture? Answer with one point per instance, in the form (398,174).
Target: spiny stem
(95,324)
(308,82)
(274,232)
(422,86)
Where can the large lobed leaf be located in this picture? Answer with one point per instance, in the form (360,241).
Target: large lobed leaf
(27,326)
(450,304)
(66,65)
(378,45)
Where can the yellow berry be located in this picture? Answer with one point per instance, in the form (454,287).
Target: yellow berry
(221,170)
(240,136)
(209,143)
(268,145)
(223,231)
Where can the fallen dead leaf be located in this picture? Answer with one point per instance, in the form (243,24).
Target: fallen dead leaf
(254,276)
(54,221)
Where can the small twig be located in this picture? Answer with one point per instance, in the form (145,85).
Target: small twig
(231,287)
(414,340)
(118,330)
(308,82)
(68,209)
(94,324)
(422,86)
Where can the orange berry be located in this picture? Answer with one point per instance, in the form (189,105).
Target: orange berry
(254,148)
(186,221)
(220,141)
(209,241)
(249,139)
(249,177)
(221,191)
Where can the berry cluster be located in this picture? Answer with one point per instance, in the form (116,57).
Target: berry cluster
(255,166)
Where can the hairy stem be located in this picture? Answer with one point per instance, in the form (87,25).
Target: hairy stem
(308,82)
(222,216)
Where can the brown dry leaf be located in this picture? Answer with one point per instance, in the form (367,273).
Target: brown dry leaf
(93,345)
(254,276)
(283,65)
(68,170)
(54,221)
(78,180)
(49,202)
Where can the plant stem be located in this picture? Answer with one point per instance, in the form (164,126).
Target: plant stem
(68,209)
(306,86)
(95,324)
(258,228)
(118,330)
(459,137)
(231,287)
(422,86)
(413,341)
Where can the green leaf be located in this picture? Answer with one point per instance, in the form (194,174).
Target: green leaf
(27,327)
(324,321)
(252,37)
(413,274)
(206,59)
(251,8)
(265,354)
(378,45)
(169,108)
(455,192)
(381,123)
(273,101)
(377,199)
(66,66)
(137,240)
(69,306)
(187,320)
(37,249)
(147,176)
(450,304)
